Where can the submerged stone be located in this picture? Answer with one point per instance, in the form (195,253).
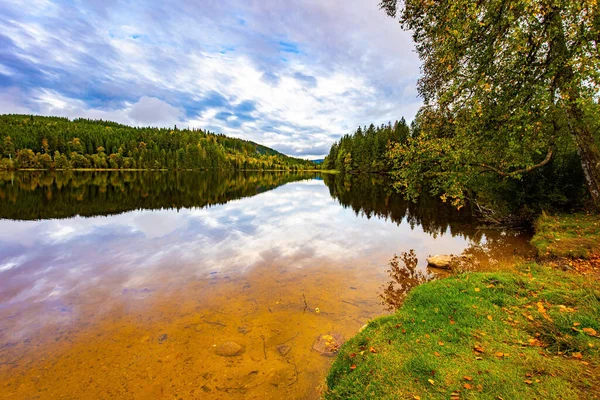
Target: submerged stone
(244,329)
(229,349)
(328,344)
(283,349)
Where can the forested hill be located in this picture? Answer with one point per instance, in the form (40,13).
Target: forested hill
(58,143)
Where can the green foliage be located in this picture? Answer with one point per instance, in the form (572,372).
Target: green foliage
(483,336)
(506,85)
(101,144)
(365,150)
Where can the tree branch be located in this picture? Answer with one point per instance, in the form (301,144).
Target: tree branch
(519,171)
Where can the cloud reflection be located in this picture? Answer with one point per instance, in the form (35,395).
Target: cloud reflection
(297,226)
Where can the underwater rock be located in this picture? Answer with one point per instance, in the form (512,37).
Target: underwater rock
(283,349)
(229,349)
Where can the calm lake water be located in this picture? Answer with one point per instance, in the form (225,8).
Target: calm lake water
(125,285)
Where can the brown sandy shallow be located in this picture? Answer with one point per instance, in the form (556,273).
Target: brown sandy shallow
(160,342)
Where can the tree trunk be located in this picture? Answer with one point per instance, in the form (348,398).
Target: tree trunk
(587,150)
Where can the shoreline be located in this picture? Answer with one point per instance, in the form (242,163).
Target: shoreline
(532,332)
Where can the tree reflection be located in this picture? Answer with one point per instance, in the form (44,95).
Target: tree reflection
(405,275)
(373,195)
(43,195)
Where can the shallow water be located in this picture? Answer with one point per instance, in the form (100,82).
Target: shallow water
(124,285)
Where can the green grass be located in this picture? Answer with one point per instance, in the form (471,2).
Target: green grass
(567,235)
(534,317)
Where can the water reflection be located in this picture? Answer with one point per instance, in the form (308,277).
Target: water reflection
(405,275)
(44,195)
(143,275)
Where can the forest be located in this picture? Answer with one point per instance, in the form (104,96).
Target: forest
(510,119)
(34,142)
(366,149)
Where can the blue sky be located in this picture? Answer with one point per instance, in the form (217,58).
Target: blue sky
(293,75)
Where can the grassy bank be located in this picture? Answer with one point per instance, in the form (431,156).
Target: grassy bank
(573,235)
(532,333)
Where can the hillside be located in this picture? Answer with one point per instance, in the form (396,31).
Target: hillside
(34,142)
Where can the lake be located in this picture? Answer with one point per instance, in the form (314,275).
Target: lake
(128,284)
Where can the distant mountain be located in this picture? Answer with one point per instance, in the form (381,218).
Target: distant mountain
(319,161)
(34,142)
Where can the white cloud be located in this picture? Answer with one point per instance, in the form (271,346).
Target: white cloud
(313,70)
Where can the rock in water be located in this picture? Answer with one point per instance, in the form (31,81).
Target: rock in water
(283,349)
(440,261)
(229,349)
(328,344)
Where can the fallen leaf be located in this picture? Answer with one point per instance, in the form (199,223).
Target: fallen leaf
(441,343)
(372,350)
(353,367)
(431,381)
(528,382)
(499,354)
(352,355)
(452,322)
(436,354)
(416,398)
(489,317)
(467,378)
(467,386)
(577,355)
(478,349)
(590,331)
(477,289)
(576,323)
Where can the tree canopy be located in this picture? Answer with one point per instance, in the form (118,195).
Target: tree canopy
(28,141)
(506,84)
(366,149)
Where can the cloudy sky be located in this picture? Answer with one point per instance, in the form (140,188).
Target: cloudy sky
(294,75)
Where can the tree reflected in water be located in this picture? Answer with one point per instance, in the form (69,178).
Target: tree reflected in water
(405,274)
(34,195)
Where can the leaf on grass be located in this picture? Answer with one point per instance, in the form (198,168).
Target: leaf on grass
(431,381)
(441,343)
(372,350)
(499,354)
(468,378)
(577,355)
(353,367)
(468,386)
(576,323)
(477,289)
(478,348)
(590,331)
(489,317)
(436,354)
(528,382)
